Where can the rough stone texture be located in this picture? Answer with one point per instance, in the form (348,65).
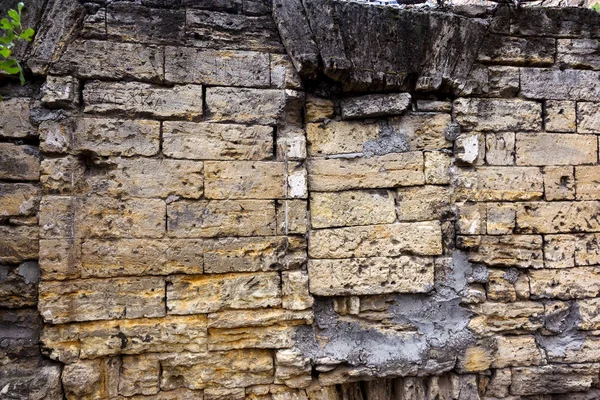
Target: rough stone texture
(339,137)
(245,180)
(540,149)
(19,162)
(14,119)
(498,115)
(375,105)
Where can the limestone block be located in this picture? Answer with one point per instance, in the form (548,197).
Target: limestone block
(558,217)
(105,217)
(60,91)
(516,351)
(578,53)
(139,375)
(177,394)
(247,106)
(291,143)
(269,253)
(588,311)
(265,337)
(131,257)
(423,131)
(588,117)
(419,238)
(367,276)
(94,299)
(244,180)
(14,119)
(339,137)
(521,251)
(283,73)
(351,208)
(233,31)
(18,285)
(222,393)
(189,294)
(501,218)
(528,51)
(134,98)
(57,217)
(469,148)
(318,109)
(498,115)
(94,59)
(19,199)
(217,67)
(568,84)
(146,178)
(500,148)
(292,217)
(89,380)
(588,182)
(90,340)
(237,368)
(559,183)
(256,318)
(500,286)
(295,291)
(208,141)
(499,184)
(565,284)
(471,219)
(556,149)
(94,24)
(291,366)
(515,317)
(55,137)
(437,165)
(588,351)
(555,22)
(587,249)
(19,162)
(62,175)
(560,116)
(434,106)
(197,219)
(136,23)
(423,203)
(391,170)
(543,379)
(499,383)
(18,244)
(559,251)
(375,105)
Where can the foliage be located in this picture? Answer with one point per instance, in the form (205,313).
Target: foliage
(596,7)
(12,31)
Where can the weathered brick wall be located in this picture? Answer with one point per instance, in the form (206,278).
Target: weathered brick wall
(304,200)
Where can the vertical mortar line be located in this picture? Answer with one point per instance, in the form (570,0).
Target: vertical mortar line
(544,114)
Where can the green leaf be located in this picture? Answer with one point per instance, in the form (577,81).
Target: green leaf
(27,34)
(15,17)
(5,24)
(10,66)
(5,52)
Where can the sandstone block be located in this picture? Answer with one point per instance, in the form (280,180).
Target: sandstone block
(188,294)
(290,365)
(405,169)
(556,149)
(559,251)
(498,115)
(500,148)
(469,148)
(291,143)
(204,218)
(589,313)
(587,249)
(237,368)
(131,257)
(499,184)
(247,106)
(318,109)
(420,238)
(423,203)
(471,218)
(18,244)
(297,180)
(578,53)
(295,291)
(277,336)
(516,317)
(60,258)
(516,351)
(217,67)
(521,251)
(19,162)
(270,253)
(375,105)
(139,375)
(284,74)
(565,284)
(588,182)
(423,131)
(558,217)
(136,23)
(560,116)
(339,137)
(256,318)
(208,141)
(512,50)
(14,119)
(96,299)
(92,59)
(57,216)
(367,276)
(500,286)
(437,165)
(19,199)
(62,175)
(18,285)
(434,106)
(588,117)
(350,208)
(559,183)
(245,180)
(568,84)
(501,218)
(134,98)
(60,91)
(88,380)
(543,379)
(292,217)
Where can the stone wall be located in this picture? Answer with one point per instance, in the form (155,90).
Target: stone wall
(233,199)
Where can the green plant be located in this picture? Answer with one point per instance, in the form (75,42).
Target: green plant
(12,31)
(596,7)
